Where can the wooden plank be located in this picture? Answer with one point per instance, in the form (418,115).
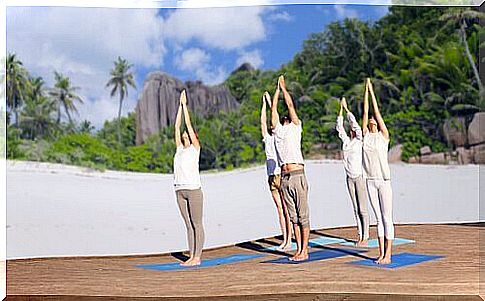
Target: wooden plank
(456,274)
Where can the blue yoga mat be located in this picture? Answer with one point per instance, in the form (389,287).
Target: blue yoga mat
(318,255)
(205,263)
(320,241)
(374,243)
(399,260)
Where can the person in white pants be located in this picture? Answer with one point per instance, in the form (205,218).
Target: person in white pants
(352,159)
(378,174)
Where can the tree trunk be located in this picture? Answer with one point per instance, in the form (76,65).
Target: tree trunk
(58,113)
(470,57)
(119,119)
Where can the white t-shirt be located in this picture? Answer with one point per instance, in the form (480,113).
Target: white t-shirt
(376,166)
(272,167)
(351,148)
(288,143)
(186,168)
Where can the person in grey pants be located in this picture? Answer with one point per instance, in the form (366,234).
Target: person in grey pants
(187,183)
(352,159)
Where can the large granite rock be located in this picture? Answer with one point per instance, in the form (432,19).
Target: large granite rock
(435,158)
(425,150)
(478,154)
(158,103)
(395,153)
(455,131)
(465,156)
(476,129)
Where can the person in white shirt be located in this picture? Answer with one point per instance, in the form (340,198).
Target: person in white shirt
(273,171)
(378,174)
(187,182)
(294,185)
(352,159)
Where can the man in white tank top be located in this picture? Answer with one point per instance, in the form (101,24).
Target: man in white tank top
(273,171)
(378,174)
(294,185)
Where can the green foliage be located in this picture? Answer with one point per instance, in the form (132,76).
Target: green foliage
(109,132)
(417,58)
(85,150)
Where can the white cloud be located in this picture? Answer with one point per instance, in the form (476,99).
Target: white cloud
(344,11)
(281,16)
(253,57)
(82,43)
(198,61)
(192,59)
(223,28)
(105,108)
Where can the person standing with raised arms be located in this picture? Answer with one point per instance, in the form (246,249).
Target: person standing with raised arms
(378,174)
(352,159)
(187,182)
(273,171)
(294,185)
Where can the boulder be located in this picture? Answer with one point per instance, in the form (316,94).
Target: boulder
(465,156)
(438,158)
(425,150)
(414,160)
(478,154)
(476,129)
(455,131)
(395,153)
(158,103)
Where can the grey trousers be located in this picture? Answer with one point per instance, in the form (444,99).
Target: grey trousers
(294,188)
(358,194)
(190,203)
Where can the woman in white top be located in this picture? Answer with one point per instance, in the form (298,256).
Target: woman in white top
(187,182)
(273,171)
(377,172)
(352,159)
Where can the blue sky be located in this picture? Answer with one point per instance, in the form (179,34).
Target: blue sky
(191,44)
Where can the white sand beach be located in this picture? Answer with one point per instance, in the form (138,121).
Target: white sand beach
(56,210)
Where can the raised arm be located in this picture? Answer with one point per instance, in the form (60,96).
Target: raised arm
(190,129)
(340,125)
(178,123)
(275,117)
(379,119)
(354,125)
(289,102)
(365,118)
(264,126)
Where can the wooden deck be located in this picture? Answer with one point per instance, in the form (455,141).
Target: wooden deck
(456,276)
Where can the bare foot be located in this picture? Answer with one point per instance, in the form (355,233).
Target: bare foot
(187,263)
(385,260)
(294,257)
(302,256)
(379,259)
(191,262)
(285,246)
(362,243)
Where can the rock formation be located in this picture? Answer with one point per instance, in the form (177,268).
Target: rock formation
(158,103)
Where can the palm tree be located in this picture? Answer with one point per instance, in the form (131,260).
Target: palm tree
(64,95)
(36,87)
(463,17)
(16,84)
(121,78)
(36,117)
(86,127)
